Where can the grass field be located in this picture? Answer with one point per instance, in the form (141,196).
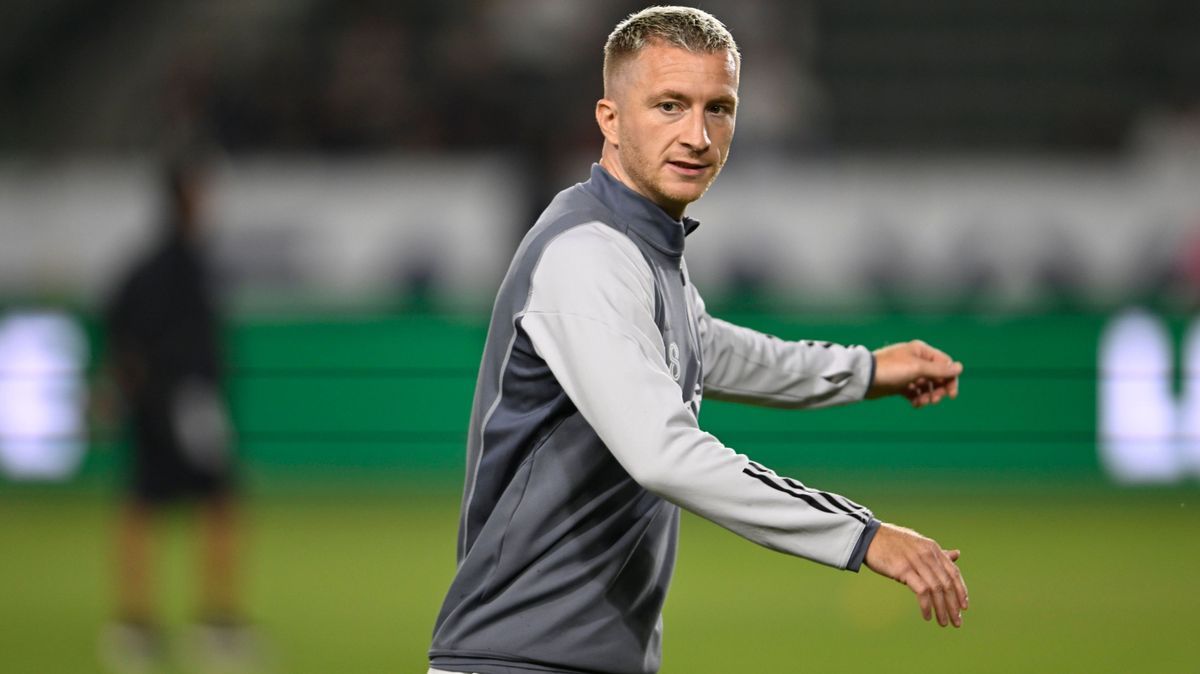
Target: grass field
(1086,579)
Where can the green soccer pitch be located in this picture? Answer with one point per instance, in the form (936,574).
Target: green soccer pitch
(1062,579)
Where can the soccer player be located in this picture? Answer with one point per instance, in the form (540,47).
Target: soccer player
(584,441)
(164,353)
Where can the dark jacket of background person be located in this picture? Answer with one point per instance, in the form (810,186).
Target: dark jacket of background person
(164,332)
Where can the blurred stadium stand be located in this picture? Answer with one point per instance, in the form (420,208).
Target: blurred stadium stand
(923,233)
(1024,75)
(1023,117)
(320,75)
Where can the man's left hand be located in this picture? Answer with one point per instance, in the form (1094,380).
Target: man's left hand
(922,374)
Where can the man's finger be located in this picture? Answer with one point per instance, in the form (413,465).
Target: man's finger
(945,591)
(960,585)
(930,392)
(955,596)
(926,603)
(942,369)
(957,585)
(934,391)
(937,594)
(941,606)
(960,588)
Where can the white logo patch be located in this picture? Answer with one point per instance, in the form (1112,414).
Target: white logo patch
(673,358)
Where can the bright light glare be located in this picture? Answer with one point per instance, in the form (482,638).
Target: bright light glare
(42,395)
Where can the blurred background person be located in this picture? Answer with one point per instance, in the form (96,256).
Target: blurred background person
(164,347)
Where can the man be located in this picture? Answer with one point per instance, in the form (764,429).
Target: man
(584,440)
(165,355)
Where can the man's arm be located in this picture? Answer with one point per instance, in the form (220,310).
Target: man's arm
(590,317)
(746,366)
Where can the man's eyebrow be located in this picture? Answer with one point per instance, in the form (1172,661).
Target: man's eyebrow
(668,93)
(676,95)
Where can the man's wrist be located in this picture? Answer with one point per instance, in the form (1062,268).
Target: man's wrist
(864,542)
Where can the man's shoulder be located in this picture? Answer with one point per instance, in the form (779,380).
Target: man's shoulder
(577,241)
(589,265)
(578,224)
(593,243)
(573,206)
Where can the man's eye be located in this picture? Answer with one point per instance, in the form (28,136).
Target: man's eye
(719,109)
(669,106)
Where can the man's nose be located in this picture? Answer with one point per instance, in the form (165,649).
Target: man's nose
(695,135)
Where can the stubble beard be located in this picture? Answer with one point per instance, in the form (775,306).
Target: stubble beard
(653,185)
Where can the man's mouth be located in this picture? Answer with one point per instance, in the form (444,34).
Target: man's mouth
(688,168)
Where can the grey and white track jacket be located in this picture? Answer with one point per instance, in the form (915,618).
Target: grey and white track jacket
(584,444)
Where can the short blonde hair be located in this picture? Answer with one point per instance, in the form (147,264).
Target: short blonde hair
(686,27)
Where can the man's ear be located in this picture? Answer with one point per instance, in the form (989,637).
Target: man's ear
(607,119)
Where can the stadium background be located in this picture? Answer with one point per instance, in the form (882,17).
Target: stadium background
(1013,181)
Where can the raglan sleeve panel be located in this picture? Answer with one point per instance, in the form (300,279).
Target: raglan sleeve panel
(746,366)
(590,316)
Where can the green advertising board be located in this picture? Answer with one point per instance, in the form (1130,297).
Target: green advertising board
(341,396)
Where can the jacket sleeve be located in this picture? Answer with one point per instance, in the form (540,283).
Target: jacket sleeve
(590,316)
(745,366)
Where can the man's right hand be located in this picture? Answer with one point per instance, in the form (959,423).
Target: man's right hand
(920,563)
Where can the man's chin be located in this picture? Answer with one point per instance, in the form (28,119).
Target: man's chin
(687,192)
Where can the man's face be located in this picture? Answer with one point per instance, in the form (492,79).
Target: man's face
(674,122)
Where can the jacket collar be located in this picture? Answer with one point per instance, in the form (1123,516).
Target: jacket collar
(638,213)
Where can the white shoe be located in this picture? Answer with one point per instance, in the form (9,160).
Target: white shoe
(132,648)
(225,648)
